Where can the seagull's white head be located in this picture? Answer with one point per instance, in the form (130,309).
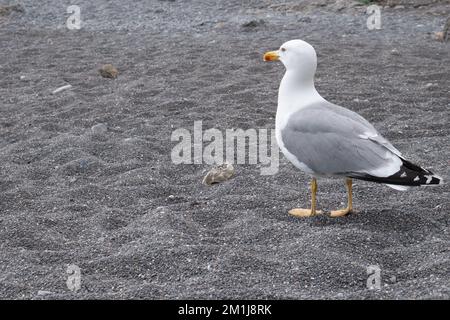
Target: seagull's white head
(297,56)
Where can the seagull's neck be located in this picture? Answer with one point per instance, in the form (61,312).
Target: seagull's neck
(296,91)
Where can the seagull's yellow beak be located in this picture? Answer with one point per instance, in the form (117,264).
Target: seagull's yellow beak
(271,56)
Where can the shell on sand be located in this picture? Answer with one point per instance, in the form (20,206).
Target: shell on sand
(108,71)
(218,174)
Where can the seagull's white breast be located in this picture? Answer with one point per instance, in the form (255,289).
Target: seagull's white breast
(289,102)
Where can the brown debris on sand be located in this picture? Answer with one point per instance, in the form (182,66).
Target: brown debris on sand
(439,36)
(108,71)
(446,32)
(219,174)
(443,35)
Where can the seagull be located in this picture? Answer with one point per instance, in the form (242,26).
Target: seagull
(327,140)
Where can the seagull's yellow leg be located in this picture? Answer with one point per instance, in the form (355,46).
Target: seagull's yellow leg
(308,212)
(343,212)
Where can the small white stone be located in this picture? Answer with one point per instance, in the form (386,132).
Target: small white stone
(62,89)
(99,128)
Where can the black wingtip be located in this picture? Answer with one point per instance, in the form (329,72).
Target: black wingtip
(409,174)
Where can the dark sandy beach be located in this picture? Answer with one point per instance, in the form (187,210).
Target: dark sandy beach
(138,226)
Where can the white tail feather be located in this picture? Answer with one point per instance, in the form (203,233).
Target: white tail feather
(399,188)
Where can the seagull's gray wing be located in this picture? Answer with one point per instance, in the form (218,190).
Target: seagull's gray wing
(331,140)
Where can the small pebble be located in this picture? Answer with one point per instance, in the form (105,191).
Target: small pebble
(219,25)
(62,89)
(431,85)
(83,164)
(253,23)
(305,19)
(99,128)
(7,9)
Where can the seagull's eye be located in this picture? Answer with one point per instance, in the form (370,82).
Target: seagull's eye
(283,49)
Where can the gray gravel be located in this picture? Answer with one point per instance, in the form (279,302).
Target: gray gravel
(86,176)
